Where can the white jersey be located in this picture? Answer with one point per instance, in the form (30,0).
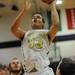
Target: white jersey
(35,46)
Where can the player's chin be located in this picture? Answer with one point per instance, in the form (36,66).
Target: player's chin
(36,27)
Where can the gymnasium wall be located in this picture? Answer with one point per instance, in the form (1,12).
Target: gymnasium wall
(10,49)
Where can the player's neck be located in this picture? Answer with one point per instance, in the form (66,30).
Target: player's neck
(37,28)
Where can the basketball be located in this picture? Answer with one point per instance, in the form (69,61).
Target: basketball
(48,1)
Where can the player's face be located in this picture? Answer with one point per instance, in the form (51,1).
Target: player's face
(37,22)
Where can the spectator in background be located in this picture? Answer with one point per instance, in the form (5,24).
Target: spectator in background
(66,67)
(15,67)
(4,70)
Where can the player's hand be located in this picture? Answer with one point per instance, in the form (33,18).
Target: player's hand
(27,5)
(25,8)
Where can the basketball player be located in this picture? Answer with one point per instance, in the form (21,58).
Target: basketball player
(36,42)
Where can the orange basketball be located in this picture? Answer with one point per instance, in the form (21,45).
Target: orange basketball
(48,1)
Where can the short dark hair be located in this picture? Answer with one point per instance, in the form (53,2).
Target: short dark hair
(40,15)
(67,67)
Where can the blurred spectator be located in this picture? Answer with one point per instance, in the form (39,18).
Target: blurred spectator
(54,65)
(4,70)
(15,67)
(66,67)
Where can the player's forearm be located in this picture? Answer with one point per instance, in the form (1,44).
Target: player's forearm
(52,32)
(17,21)
(54,21)
(54,14)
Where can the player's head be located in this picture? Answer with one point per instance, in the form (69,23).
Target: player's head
(15,65)
(37,21)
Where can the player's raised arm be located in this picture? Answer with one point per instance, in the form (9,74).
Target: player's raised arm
(15,28)
(54,19)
